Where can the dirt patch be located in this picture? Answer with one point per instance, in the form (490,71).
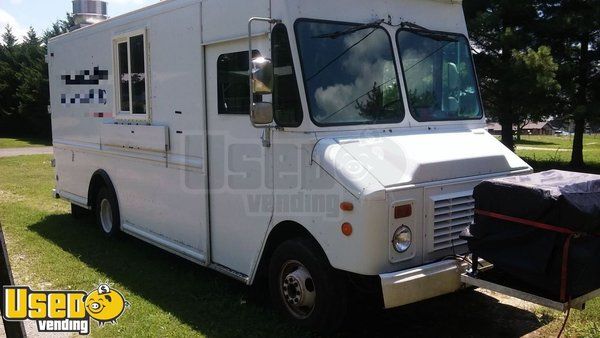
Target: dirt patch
(9,197)
(542,149)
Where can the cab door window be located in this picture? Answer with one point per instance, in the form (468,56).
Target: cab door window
(233,83)
(286,97)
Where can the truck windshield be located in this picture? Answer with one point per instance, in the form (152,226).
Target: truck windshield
(439,74)
(349,73)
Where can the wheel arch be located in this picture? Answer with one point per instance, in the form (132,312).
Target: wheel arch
(280,233)
(99,179)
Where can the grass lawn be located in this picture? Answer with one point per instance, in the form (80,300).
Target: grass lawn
(6,142)
(171,297)
(546,152)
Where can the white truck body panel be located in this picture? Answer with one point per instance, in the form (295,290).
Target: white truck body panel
(149,138)
(145,165)
(423,156)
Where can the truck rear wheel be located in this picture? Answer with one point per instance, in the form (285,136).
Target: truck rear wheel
(107,212)
(305,287)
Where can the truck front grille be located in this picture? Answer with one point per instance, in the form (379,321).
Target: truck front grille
(451,216)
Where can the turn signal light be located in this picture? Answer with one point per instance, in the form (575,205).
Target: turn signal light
(401,211)
(347,229)
(347,206)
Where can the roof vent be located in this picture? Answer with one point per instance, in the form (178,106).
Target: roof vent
(88,12)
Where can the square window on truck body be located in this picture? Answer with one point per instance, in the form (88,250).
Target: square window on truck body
(132,77)
(123,77)
(138,74)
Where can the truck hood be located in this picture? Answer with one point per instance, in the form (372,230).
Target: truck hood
(366,163)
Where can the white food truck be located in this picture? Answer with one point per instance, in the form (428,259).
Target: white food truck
(326,146)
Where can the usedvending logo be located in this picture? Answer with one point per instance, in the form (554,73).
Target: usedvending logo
(63,311)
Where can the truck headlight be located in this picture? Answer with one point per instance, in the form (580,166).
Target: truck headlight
(402,239)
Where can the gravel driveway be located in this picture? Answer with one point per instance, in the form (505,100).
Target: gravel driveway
(7,152)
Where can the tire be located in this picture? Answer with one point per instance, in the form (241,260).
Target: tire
(305,287)
(107,212)
(78,212)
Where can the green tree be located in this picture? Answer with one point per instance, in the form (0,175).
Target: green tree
(501,31)
(24,92)
(9,68)
(32,92)
(535,89)
(372,107)
(572,28)
(9,40)
(59,27)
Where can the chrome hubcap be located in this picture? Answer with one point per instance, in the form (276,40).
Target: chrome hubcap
(106,215)
(297,289)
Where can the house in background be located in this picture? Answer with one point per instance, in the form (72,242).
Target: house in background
(532,128)
(495,128)
(538,128)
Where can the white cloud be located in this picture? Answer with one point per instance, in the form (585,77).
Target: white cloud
(16,2)
(367,68)
(7,19)
(366,75)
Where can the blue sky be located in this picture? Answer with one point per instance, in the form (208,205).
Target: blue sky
(40,14)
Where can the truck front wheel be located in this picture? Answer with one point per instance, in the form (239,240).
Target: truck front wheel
(305,287)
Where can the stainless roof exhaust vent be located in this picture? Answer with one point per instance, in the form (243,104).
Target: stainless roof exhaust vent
(88,12)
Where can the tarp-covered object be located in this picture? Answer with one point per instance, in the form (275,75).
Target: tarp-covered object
(567,201)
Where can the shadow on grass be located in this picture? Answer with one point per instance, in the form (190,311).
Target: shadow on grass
(216,305)
(30,140)
(542,165)
(534,143)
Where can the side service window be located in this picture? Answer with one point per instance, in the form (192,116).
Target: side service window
(131,81)
(233,83)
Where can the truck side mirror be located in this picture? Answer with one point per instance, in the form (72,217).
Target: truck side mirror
(261,113)
(262,76)
(261,83)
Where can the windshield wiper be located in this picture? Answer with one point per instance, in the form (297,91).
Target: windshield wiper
(428,33)
(337,34)
(413,26)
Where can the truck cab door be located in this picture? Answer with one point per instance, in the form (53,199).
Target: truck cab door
(240,168)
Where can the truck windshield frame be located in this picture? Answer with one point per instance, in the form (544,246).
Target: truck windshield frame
(457,79)
(340,92)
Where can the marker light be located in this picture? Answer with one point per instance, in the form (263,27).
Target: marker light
(347,206)
(347,229)
(402,239)
(401,211)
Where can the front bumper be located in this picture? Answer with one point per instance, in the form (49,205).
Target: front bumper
(423,282)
